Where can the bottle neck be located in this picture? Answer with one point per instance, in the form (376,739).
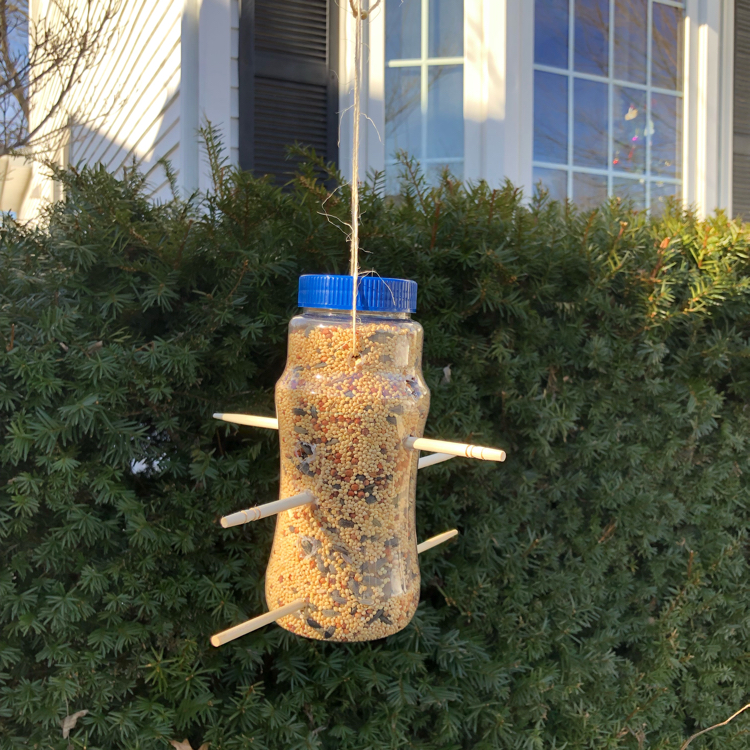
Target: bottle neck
(318,312)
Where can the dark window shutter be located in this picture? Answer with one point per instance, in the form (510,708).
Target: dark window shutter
(288,60)
(741,125)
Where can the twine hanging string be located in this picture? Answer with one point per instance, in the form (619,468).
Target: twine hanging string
(360,16)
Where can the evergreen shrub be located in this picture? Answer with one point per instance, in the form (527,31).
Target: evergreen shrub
(599,593)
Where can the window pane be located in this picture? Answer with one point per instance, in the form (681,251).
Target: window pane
(554,181)
(550,118)
(627,135)
(589,190)
(631,39)
(403,119)
(403,26)
(393,174)
(445,112)
(666,47)
(434,172)
(666,138)
(661,192)
(590,132)
(591,36)
(551,32)
(446,26)
(629,130)
(630,190)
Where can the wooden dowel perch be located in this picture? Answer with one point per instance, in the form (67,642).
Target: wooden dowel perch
(269,509)
(269,423)
(417,444)
(287,503)
(455,449)
(435,540)
(275,614)
(257,622)
(434,458)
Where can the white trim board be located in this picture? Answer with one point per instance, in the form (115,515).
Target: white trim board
(498,97)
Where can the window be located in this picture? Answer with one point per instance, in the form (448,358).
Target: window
(608,99)
(424,89)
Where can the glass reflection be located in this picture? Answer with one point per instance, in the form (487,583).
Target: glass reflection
(446,28)
(666,138)
(666,47)
(550,118)
(644,156)
(403,29)
(631,40)
(445,112)
(661,192)
(551,33)
(403,119)
(436,172)
(554,181)
(589,190)
(591,36)
(629,129)
(633,191)
(590,132)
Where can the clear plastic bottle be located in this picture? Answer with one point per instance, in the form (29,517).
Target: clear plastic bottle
(344,412)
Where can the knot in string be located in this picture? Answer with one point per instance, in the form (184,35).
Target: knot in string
(359,12)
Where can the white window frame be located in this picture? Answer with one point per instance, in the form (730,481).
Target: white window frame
(499,105)
(424,62)
(709,82)
(647,177)
(496,143)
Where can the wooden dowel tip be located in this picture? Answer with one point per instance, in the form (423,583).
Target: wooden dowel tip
(435,540)
(225,636)
(269,509)
(456,449)
(250,420)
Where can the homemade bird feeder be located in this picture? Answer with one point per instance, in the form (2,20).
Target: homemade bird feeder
(351,408)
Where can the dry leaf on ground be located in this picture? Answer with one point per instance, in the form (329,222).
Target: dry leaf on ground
(185,745)
(69,722)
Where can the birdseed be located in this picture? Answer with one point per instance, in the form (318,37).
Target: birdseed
(352,555)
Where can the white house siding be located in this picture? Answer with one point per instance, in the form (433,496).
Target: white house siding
(129,110)
(234,134)
(124,110)
(143,126)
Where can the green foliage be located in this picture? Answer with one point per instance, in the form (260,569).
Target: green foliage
(599,593)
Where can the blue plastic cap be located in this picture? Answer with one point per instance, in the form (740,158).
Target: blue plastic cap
(374,294)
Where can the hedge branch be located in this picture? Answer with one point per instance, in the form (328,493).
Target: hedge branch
(716,726)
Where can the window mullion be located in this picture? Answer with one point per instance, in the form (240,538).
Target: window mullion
(411,63)
(571,63)
(611,98)
(424,39)
(649,118)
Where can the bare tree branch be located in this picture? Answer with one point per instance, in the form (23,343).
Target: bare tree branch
(41,62)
